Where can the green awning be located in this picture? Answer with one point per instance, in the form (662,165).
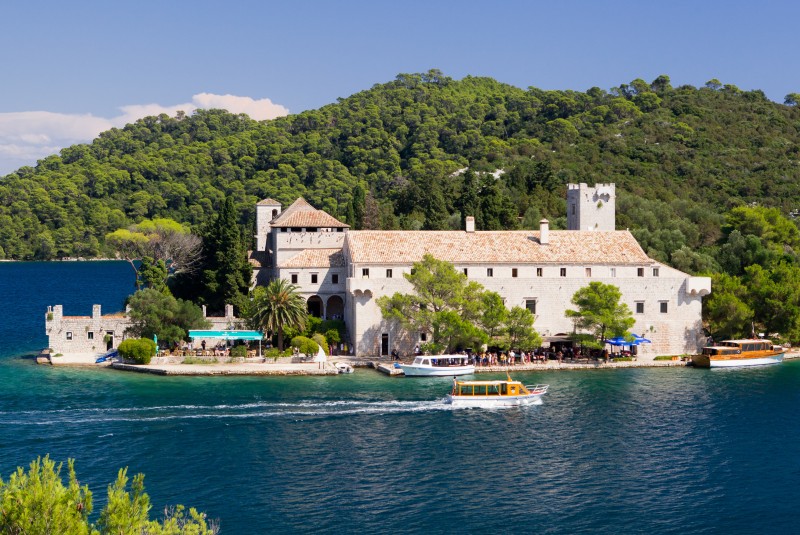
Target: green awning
(228,335)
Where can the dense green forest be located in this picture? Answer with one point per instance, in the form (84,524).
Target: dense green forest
(394,156)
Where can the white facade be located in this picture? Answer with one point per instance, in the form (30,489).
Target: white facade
(341,273)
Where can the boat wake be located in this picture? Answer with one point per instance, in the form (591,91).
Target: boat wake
(258,410)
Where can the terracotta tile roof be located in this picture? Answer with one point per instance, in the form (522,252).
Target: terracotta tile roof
(512,247)
(302,214)
(311,258)
(270,202)
(258,258)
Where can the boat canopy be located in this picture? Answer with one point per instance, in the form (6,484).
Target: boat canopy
(228,335)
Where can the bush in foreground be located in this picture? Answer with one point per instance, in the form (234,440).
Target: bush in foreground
(139,350)
(37,502)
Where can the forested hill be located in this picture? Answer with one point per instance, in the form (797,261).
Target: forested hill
(681,157)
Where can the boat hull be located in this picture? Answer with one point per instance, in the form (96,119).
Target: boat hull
(436,371)
(489,402)
(713,361)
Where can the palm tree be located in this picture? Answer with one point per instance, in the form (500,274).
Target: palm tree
(277,307)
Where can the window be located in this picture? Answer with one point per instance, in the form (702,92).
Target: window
(339,229)
(284,229)
(313,278)
(297,229)
(514,272)
(90,335)
(613,272)
(538,272)
(640,272)
(388,273)
(365,273)
(563,272)
(466,272)
(640,307)
(423,337)
(335,278)
(573,209)
(489,272)
(663,305)
(69,335)
(655,272)
(311,229)
(530,304)
(294,278)
(588,272)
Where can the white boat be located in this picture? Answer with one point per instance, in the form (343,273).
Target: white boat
(438,366)
(343,367)
(494,394)
(737,353)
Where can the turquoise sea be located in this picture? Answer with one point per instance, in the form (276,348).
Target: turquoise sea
(614,451)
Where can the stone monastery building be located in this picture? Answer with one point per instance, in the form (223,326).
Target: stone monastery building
(341,272)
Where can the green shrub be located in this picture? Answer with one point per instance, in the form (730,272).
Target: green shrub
(663,357)
(139,350)
(305,345)
(332,336)
(239,351)
(623,359)
(272,353)
(321,342)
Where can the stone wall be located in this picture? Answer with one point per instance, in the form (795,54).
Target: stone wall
(86,334)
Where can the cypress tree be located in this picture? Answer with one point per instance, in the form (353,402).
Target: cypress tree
(226,271)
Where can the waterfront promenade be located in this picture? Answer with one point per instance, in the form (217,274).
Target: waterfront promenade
(386,366)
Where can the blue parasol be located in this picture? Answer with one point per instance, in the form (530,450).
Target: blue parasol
(641,339)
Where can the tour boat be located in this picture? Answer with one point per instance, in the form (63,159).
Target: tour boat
(438,366)
(733,353)
(491,394)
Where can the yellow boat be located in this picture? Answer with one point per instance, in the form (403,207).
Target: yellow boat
(491,394)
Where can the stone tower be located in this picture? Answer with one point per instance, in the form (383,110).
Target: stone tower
(591,208)
(266,211)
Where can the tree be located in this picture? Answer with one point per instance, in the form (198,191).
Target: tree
(601,313)
(153,313)
(277,307)
(456,312)
(226,270)
(726,313)
(358,203)
(36,502)
(519,330)
(792,99)
(162,240)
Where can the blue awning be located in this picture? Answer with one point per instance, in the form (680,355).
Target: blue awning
(228,335)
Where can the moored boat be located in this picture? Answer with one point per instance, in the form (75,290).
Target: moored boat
(438,366)
(343,367)
(736,353)
(493,394)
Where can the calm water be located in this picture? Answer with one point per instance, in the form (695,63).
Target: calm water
(623,451)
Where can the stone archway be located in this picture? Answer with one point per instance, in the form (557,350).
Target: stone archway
(334,310)
(315,306)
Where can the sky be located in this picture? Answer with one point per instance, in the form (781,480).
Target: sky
(70,70)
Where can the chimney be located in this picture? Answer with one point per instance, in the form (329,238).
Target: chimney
(470,224)
(544,232)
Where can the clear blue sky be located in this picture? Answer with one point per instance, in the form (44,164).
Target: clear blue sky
(94,64)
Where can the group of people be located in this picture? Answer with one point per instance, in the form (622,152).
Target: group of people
(220,350)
